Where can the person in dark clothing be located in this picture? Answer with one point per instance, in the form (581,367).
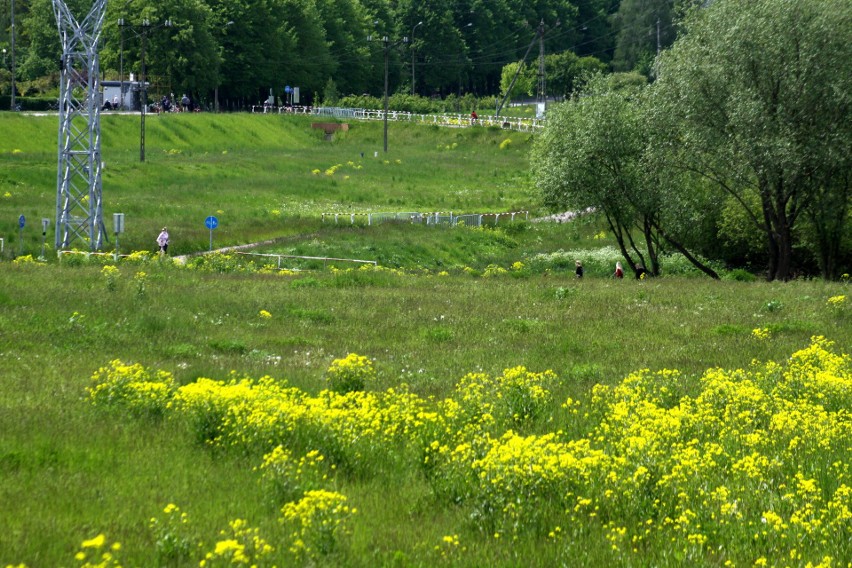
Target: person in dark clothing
(579,269)
(640,271)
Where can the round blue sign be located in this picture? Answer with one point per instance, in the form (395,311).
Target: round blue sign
(21,222)
(287,89)
(211,222)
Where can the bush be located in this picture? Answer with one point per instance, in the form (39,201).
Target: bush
(350,374)
(132,388)
(740,275)
(30,103)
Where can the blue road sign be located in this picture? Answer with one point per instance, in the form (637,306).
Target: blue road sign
(287,89)
(21,222)
(211,222)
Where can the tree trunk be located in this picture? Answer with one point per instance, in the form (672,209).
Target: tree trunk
(618,232)
(828,214)
(773,237)
(647,230)
(785,255)
(683,250)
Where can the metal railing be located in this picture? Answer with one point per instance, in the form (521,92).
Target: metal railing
(325,259)
(457,120)
(272,109)
(438,218)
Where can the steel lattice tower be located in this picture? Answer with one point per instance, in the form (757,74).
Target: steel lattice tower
(79,213)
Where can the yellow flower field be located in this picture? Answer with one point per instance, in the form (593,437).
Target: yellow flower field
(741,466)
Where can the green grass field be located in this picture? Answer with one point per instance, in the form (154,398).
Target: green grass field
(451,455)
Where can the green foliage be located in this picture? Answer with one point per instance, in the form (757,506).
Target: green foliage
(752,100)
(565,74)
(330,95)
(289,476)
(740,275)
(643,28)
(596,153)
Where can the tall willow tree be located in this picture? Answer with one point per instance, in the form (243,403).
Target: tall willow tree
(758,95)
(596,152)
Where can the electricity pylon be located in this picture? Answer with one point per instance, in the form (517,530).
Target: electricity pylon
(79,213)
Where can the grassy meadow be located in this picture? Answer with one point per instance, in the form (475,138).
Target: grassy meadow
(467,403)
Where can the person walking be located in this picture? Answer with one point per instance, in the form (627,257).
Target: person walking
(163,241)
(579,269)
(640,271)
(619,271)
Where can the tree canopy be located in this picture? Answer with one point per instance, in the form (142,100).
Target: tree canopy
(757,97)
(747,125)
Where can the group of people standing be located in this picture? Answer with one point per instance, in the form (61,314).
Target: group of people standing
(166,104)
(619,270)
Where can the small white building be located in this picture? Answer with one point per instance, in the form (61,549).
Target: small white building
(128,93)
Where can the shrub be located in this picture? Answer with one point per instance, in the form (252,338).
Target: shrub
(317,523)
(350,374)
(132,387)
(289,477)
(740,275)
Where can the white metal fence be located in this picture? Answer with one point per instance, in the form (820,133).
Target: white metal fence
(438,218)
(443,119)
(324,259)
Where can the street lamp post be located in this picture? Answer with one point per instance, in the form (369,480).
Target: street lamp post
(413,62)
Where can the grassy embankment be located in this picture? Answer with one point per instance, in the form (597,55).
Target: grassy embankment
(70,470)
(263,176)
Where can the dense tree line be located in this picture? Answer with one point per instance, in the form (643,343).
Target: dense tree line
(240,49)
(740,151)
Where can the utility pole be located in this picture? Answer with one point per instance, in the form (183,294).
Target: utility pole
(385,113)
(121,61)
(541,96)
(413,54)
(145,25)
(541,99)
(145,28)
(12,46)
(387,44)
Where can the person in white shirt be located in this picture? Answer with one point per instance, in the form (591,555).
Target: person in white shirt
(163,241)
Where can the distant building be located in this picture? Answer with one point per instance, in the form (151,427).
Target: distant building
(129,93)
